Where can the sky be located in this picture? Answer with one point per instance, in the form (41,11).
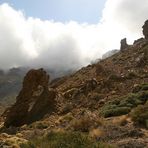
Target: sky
(66,34)
(89,11)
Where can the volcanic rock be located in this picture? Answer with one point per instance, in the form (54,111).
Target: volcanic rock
(34,100)
(145,29)
(124,44)
(138,41)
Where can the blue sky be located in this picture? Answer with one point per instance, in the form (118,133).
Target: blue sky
(89,11)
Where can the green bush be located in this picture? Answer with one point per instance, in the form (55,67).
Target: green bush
(65,140)
(140,115)
(125,104)
(115,111)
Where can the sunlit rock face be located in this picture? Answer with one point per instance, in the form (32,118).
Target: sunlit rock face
(33,101)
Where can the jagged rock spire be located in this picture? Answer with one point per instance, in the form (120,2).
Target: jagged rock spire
(33,101)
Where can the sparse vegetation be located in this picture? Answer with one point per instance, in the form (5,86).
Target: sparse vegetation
(83,124)
(95,96)
(115,77)
(132,75)
(140,115)
(97,133)
(65,140)
(110,111)
(120,121)
(140,88)
(39,125)
(125,104)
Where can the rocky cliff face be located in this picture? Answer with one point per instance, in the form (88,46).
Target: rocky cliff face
(33,101)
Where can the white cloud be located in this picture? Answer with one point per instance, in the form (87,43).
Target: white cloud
(27,41)
(127,17)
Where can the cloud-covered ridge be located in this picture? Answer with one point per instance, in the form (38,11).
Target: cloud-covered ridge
(27,41)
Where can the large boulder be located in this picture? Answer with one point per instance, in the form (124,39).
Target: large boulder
(145,29)
(34,100)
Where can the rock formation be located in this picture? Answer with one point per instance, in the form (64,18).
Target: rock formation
(145,29)
(33,101)
(124,44)
(138,41)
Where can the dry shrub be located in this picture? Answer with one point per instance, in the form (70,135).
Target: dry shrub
(120,121)
(95,96)
(97,133)
(86,123)
(14,141)
(66,118)
(100,121)
(139,115)
(83,124)
(39,125)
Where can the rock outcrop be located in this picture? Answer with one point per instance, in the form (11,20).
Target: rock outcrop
(145,29)
(33,101)
(138,41)
(124,44)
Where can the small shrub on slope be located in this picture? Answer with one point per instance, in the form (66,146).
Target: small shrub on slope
(140,115)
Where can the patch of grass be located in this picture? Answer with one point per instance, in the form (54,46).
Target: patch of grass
(65,140)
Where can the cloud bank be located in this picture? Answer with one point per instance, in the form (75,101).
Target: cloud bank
(28,41)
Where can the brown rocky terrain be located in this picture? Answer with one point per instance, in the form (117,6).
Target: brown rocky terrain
(106,102)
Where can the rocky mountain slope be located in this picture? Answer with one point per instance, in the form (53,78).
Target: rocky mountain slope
(101,105)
